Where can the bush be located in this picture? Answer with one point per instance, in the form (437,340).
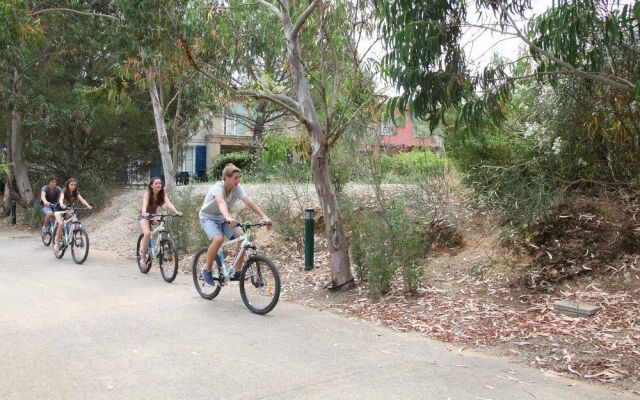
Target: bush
(186,230)
(285,203)
(413,165)
(242,160)
(383,241)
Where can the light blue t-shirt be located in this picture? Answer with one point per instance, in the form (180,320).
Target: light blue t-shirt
(210,206)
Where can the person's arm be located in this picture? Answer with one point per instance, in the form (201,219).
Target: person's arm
(170,205)
(252,205)
(61,201)
(224,210)
(83,201)
(43,198)
(145,204)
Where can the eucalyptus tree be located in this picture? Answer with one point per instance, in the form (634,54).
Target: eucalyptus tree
(426,59)
(21,48)
(330,82)
(155,62)
(69,125)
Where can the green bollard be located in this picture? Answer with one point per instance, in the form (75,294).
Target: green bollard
(308,239)
(13,212)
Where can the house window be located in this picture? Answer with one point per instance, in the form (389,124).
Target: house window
(232,124)
(386,128)
(188,159)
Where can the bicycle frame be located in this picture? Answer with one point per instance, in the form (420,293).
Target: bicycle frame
(66,232)
(245,238)
(155,233)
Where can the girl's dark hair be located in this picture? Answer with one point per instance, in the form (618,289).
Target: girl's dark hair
(70,197)
(152,200)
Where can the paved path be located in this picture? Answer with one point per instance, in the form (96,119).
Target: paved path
(103,330)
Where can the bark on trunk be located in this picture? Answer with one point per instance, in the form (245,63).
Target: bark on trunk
(19,169)
(334,231)
(6,197)
(258,135)
(163,140)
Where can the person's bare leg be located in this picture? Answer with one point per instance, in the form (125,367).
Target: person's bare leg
(145,226)
(214,247)
(60,221)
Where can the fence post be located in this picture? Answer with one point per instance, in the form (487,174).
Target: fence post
(308,239)
(13,212)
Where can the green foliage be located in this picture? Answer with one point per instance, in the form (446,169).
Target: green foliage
(186,230)
(4,167)
(285,202)
(241,159)
(385,240)
(277,149)
(293,172)
(575,37)
(413,165)
(341,167)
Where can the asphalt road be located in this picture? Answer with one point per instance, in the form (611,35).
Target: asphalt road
(103,330)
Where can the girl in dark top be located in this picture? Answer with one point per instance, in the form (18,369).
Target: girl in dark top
(153,198)
(67,199)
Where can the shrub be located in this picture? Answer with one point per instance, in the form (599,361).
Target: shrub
(285,203)
(385,240)
(187,232)
(413,165)
(242,160)
(277,150)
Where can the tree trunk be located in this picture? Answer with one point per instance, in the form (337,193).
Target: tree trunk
(334,231)
(23,186)
(163,140)
(258,134)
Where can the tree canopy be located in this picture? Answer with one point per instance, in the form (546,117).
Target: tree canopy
(574,37)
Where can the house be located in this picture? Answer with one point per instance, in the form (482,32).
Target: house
(229,131)
(224,132)
(409,135)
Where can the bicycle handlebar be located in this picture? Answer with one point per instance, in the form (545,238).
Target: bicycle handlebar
(247,225)
(74,208)
(151,216)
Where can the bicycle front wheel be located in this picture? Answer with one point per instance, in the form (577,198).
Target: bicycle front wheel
(58,251)
(168,259)
(79,245)
(144,268)
(260,285)
(204,289)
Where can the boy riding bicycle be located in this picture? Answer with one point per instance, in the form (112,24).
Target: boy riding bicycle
(216,220)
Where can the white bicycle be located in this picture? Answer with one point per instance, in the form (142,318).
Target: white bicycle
(259,278)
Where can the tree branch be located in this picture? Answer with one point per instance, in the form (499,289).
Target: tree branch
(285,102)
(91,14)
(573,70)
(302,19)
(271,7)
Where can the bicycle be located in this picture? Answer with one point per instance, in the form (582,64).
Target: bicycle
(259,279)
(166,251)
(77,237)
(49,233)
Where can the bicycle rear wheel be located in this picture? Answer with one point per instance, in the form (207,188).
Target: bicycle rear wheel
(260,285)
(168,259)
(204,289)
(79,245)
(146,267)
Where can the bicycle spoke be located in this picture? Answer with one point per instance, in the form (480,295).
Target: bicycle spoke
(260,285)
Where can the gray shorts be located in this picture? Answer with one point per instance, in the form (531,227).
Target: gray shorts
(213,227)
